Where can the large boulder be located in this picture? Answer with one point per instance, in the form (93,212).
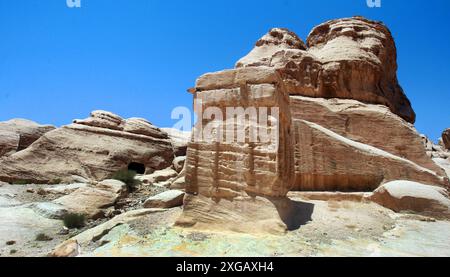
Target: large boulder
(405,196)
(18,134)
(94,148)
(92,200)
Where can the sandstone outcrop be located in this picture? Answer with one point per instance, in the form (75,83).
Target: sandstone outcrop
(369,124)
(18,134)
(326,161)
(94,149)
(350,58)
(446,139)
(405,196)
(343,124)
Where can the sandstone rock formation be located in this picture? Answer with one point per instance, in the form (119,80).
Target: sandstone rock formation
(94,148)
(446,139)
(411,196)
(344,124)
(350,58)
(18,134)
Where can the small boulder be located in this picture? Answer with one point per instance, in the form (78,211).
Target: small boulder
(168,199)
(159,176)
(68,249)
(407,196)
(178,163)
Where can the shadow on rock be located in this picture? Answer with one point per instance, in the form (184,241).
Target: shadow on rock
(293,213)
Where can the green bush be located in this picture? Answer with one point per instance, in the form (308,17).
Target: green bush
(127,176)
(73,220)
(20,182)
(43,237)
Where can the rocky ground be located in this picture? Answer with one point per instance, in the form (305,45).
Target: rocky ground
(331,225)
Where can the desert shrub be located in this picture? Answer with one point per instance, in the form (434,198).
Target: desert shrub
(128,177)
(20,182)
(74,220)
(55,182)
(43,237)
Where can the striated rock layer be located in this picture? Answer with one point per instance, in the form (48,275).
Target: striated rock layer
(344,124)
(18,134)
(94,148)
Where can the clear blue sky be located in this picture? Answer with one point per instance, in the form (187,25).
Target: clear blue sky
(138,57)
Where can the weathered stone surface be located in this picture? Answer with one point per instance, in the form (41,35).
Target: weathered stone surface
(247,214)
(49,210)
(94,149)
(93,199)
(18,134)
(179,182)
(22,225)
(68,249)
(9,142)
(63,189)
(350,58)
(158,176)
(327,161)
(167,199)
(178,163)
(359,122)
(435,151)
(446,139)
(404,196)
(179,140)
(444,164)
(365,123)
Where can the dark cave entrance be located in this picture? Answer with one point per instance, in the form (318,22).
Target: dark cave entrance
(137,167)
